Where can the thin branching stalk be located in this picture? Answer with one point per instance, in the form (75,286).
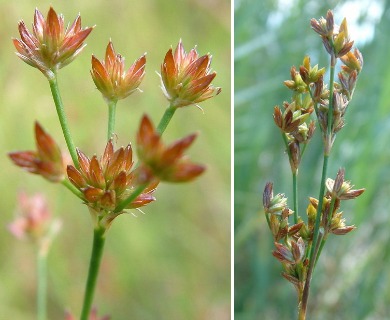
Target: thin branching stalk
(111,118)
(294,180)
(131,198)
(72,189)
(63,120)
(166,118)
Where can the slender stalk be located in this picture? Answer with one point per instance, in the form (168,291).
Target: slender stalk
(305,295)
(63,121)
(42,284)
(319,208)
(111,118)
(169,112)
(295,195)
(329,220)
(96,256)
(73,189)
(131,198)
(294,179)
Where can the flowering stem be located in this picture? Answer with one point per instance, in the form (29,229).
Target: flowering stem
(295,178)
(317,236)
(94,264)
(305,294)
(169,112)
(63,121)
(42,284)
(131,198)
(111,118)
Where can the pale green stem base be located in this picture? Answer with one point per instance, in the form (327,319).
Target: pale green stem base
(42,284)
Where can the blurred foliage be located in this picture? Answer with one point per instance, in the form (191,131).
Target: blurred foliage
(352,279)
(173,262)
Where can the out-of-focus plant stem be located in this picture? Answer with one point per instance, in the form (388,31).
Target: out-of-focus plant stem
(42,283)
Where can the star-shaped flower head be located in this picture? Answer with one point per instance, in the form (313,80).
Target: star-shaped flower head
(166,163)
(111,78)
(186,78)
(50,46)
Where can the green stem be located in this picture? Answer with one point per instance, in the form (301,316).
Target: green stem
(319,207)
(169,112)
(122,205)
(317,236)
(63,121)
(305,295)
(111,118)
(329,220)
(42,284)
(294,178)
(329,133)
(295,195)
(73,189)
(96,257)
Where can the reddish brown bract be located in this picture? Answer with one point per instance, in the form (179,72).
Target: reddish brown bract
(46,161)
(50,46)
(165,163)
(110,76)
(186,78)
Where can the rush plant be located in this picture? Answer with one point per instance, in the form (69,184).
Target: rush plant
(299,237)
(119,180)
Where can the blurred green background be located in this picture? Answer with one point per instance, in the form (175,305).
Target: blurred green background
(174,261)
(352,279)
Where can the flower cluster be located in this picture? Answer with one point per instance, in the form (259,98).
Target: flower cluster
(106,182)
(111,184)
(186,78)
(34,220)
(47,161)
(50,46)
(293,241)
(165,163)
(110,77)
(299,244)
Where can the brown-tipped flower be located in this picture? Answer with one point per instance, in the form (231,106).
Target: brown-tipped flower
(50,46)
(34,219)
(335,39)
(338,226)
(186,78)
(341,189)
(310,74)
(164,162)
(353,61)
(110,180)
(111,78)
(291,118)
(273,204)
(46,161)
